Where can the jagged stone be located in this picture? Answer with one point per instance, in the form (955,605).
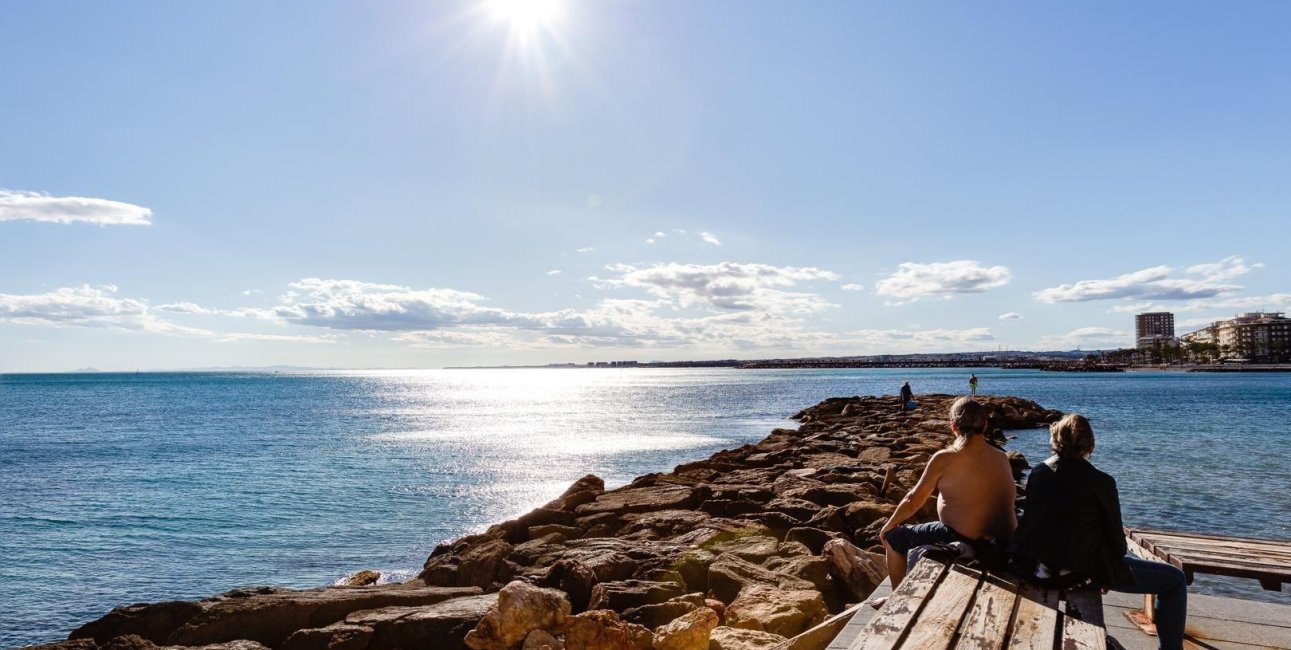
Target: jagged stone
(520,609)
(776,609)
(602,629)
(687,632)
(859,571)
(734,638)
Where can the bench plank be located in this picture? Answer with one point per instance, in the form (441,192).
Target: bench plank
(885,629)
(944,610)
(1036,620)
(1081,635)
(987,624)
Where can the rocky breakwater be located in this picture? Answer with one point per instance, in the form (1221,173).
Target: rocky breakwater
(747,549)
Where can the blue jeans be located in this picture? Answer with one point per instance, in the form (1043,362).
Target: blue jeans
(904,538)
(1171,589)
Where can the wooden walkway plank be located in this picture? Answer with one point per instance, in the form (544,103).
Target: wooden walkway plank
(944,610)
(987,624)
(1035,620)
(1253,541)
(1080,635)
(1086,605)
(886,628)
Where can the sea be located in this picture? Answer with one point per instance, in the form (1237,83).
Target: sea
(141,487)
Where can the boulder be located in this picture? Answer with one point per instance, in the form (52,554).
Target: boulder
(154,622)
(776,610)
(730,575)
(601,629)
(568,532)
(619,595)
(641,499)
(575,579)
(688,632)
(362,578)
(338,636)
(584,490)
(520,609)
(442,626)
(542,640)
(657,614)
(859,571)
(267,615)
(734,638)
(754,548)
(812,538)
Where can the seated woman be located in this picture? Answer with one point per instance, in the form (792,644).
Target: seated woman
(1071,530)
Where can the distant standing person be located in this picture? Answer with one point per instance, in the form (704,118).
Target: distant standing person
(907,396)
(972,383)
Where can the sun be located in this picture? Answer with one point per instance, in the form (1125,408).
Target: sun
(526,15)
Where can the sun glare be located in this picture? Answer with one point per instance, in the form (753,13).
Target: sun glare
(526,15)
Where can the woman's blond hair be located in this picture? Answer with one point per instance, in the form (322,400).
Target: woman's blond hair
(1071,437)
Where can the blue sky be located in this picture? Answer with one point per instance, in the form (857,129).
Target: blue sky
(417,184)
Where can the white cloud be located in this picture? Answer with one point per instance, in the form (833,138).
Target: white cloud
(99,307)
(34,206)
(852,286)
(187,308)
(914,280)
(1227,268)
(1154,283)
(586,249)
(649,240)
(710,238)
(659,234)
(554,272)
(724,286)
(353,305)
(1011,316)
(1087,338)
(252,292)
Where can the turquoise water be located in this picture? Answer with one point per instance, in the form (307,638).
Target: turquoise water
(142,487)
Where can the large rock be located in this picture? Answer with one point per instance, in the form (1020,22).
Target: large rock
(620,595)
(601,629)
(859,571)
(730,575)
(776,610)
(734,638)
(688,632)
(154,622)
(267,616)
(754,548)
(442,626)
(642,499)
(521,608)
(542,640)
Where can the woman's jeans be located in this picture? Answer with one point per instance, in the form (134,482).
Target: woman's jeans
(1171,589)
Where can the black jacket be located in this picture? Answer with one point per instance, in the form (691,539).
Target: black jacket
(1072,520)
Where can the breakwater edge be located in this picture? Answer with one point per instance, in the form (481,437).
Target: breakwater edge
(750,546)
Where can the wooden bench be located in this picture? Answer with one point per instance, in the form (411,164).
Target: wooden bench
(948,606)
(1267,561)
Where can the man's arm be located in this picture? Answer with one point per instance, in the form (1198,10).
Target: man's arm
(918,495)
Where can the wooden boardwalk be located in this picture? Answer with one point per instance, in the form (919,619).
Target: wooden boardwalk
(941,606)
(1267,561)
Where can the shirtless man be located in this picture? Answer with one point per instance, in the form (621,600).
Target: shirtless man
(975,493)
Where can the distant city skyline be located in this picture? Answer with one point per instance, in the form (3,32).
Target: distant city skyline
(408,184)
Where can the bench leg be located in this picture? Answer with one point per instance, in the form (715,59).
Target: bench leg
(1145,619)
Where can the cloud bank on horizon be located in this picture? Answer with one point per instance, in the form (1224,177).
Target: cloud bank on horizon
(745,307)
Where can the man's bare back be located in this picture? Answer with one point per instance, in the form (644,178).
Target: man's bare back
(975,491)
(974,487)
